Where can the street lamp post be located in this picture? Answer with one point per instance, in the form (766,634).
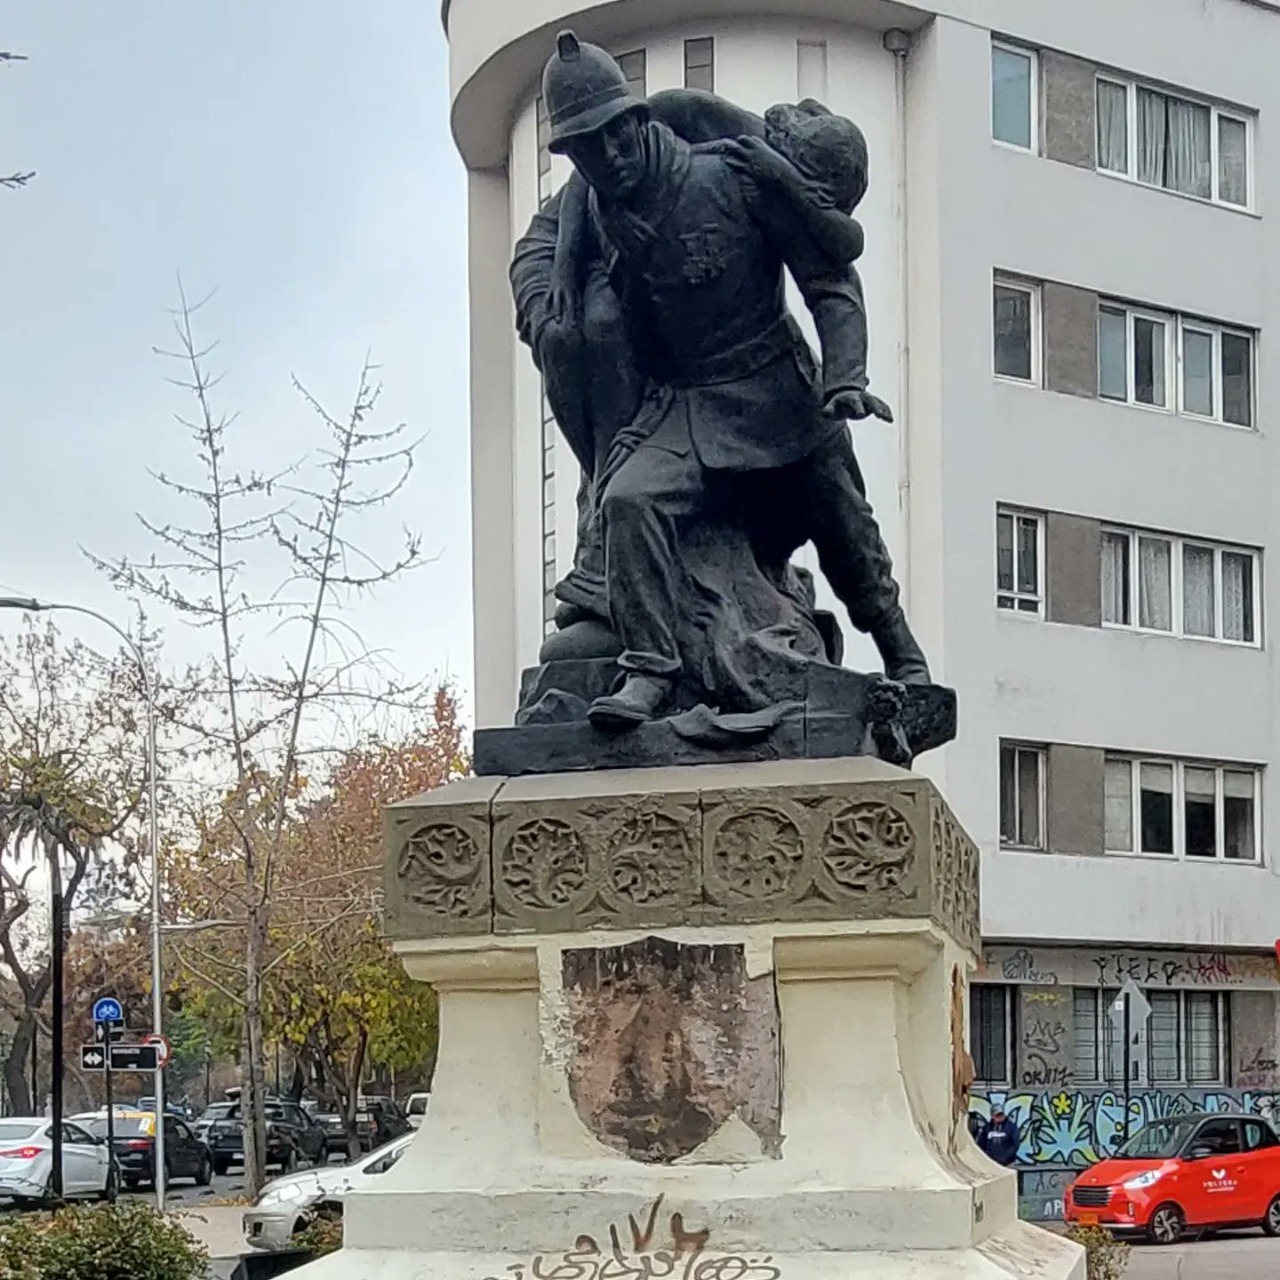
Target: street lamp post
(29,605)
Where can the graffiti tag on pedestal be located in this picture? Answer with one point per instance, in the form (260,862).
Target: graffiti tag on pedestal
(686,1258)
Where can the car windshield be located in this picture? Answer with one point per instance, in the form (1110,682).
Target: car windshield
(16,1130)
(1159,1141)
(217,1111)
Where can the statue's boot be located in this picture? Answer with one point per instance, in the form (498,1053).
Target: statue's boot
(904,660)
(638,700)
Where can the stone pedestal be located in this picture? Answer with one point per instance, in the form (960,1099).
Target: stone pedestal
(705,1023)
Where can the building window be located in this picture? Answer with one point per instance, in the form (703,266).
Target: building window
(1166,140)
(1022,792)
(700,64)
(1185,1038)
(635,66)
(1019,569)
(1016,319)
(1182,809)
(991,1032)
(1013,96)
(1099,1043)
(1163,361)
(1159,583)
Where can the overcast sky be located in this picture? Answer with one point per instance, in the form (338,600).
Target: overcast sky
(294,155)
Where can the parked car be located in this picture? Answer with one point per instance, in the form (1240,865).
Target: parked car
(292,1135)
(379,1120)
(26,1160)
(134,1133)
(276,1213)
(416,1109)
(1192,1171)
(214,1111)
(335,1134)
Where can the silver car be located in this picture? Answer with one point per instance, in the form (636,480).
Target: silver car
(277,1212)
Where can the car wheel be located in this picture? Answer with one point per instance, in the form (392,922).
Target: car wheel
(204,1174)
(1167,1224)
(221,1167)
(1271,1223)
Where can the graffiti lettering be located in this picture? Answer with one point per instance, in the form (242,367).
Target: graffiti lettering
(1021,967)
(1258,1071)
(1044,1035)
(1148,971)
(586,1261)
(1039,1071)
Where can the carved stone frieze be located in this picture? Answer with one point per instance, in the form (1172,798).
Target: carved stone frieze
(798,840)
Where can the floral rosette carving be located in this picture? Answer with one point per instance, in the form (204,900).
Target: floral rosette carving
(440,867)
(758,854)
(544,865)
(868,847)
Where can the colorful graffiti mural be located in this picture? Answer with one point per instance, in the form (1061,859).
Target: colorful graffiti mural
(1074,1128)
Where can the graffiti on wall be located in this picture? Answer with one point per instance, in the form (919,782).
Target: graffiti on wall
(1074,1128)
(1070,966)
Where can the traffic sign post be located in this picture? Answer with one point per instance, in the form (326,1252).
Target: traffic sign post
(1129,1011)
(119,1057)
(108,1009)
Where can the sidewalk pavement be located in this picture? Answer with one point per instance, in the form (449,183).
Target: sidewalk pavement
(220,1228)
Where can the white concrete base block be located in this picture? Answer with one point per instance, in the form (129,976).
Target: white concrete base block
(875,1174)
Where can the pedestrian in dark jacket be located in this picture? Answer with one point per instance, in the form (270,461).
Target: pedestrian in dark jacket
(1000,1138)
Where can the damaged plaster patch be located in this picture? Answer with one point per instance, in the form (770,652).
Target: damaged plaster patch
(666,1042)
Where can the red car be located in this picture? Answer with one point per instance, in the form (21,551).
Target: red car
(1187,1172)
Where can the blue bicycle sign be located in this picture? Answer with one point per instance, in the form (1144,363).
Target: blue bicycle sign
(108,1010)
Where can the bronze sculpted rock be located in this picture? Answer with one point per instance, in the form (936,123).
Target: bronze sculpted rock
(712,444)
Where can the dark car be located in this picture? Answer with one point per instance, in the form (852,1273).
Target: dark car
(185,1155)
(214,1111)
(292,1135)
(335,1134)
(379,1121)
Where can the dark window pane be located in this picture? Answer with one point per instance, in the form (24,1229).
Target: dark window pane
(635,68)
(1004,553)
(1237,379)
(989,1032)
(1156,805)
(1008,794)
(1237,815)
(1013,332)
(1028,555)
(1148,361)
(1200,812)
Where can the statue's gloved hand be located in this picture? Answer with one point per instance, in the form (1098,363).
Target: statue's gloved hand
(754,158)
(564,302)
(856,405)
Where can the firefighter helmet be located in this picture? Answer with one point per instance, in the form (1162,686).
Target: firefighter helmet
(583,88)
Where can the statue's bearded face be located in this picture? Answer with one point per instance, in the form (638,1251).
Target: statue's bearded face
(611,159)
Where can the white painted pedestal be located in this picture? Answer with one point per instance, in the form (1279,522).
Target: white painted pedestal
(877,1176)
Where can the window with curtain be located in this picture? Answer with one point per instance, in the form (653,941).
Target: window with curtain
(1118,806)
(1155,584)
(1013,79)
(1113,126)
(1116,587)
(1199,606)
(1216,587)
(1022,781)
(1170,140)
(1184,809)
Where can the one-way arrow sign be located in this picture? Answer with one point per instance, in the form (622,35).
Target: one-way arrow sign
(1139,1007)
(124,1057)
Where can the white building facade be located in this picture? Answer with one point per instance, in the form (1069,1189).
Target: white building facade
(1072,277)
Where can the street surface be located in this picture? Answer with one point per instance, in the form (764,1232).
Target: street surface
(1246,1256)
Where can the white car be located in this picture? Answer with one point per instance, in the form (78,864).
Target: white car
(26,1160)
(275,1214)
(416,1109)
